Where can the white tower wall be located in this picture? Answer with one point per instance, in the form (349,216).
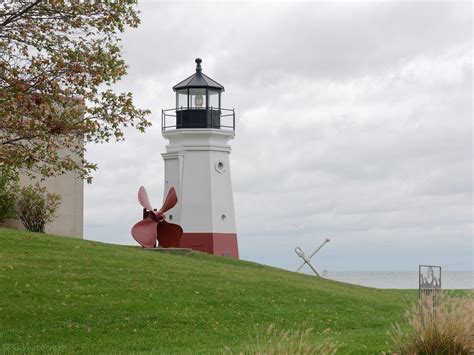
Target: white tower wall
(192,167)
(197,166)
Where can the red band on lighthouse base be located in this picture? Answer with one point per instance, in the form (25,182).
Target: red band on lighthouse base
(222,244)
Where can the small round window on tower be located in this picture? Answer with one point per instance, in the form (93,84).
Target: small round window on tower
(223,217)
(220,167)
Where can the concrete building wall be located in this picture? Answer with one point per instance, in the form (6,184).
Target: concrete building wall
(70,215)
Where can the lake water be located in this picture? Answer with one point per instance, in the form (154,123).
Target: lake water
(401,279)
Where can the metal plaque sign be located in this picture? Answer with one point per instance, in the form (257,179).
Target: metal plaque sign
(429,280)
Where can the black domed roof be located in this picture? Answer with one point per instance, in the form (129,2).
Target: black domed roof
(198,80)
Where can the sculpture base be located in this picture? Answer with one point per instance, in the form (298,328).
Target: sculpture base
(222,244)
(179,251)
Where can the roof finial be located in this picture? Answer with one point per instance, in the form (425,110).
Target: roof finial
(198,65)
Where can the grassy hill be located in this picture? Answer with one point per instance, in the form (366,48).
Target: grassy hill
(64,295)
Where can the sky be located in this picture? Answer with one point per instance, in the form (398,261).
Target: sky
(353,122)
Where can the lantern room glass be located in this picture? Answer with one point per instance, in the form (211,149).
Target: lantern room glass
(214,99)
(197,98)
(182,99)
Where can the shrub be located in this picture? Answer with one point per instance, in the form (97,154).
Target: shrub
(35,207)
(437,325)
(8,183)
(294,342)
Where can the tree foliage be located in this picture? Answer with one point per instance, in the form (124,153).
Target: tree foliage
(8,185)
(35,206)
(58,63)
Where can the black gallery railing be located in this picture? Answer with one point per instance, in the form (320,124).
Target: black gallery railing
(212,117)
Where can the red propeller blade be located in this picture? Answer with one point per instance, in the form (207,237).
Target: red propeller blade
(170,201)
(144,232)
(143,199)
(153,226)
(169,234)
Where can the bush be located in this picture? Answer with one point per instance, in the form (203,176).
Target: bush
(8,184)
(288,343)
(35,207)
(437,325)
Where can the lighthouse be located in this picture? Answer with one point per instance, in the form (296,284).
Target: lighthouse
(197,165)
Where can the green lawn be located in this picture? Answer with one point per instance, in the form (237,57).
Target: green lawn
(66,295)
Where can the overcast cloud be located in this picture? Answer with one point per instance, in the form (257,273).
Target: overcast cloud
(354,122)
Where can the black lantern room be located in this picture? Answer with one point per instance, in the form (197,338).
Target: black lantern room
(198,102)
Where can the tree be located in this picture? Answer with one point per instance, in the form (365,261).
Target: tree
(58,61)
(35,206)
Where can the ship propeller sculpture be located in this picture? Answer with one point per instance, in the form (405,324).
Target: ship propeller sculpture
(153,227)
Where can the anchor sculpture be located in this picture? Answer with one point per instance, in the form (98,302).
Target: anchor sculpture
(153,227)
(307,260)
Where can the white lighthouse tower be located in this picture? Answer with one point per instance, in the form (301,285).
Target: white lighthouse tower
(197,165)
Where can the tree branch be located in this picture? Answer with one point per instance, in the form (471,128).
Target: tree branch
(16,16)
(10,141)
